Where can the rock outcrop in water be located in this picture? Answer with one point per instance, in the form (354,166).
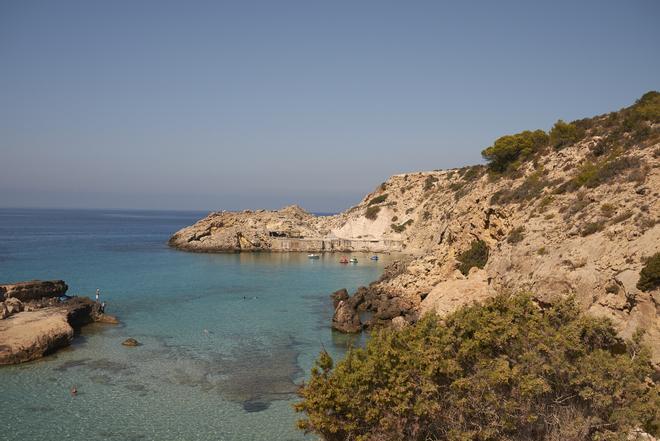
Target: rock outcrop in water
(37,321)
(578,216)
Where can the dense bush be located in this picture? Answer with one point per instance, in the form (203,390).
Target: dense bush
(372,212)
(564,134)
(648,107)
(378,199)
(508,150)
(507,370)
(649,276)
(477,256)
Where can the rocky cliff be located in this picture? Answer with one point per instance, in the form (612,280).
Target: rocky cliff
(573,212)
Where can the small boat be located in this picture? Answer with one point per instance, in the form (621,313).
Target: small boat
(313,256)
(343,260)
(374,257)
(353,260)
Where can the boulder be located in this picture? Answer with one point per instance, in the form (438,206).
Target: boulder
(338,296)
(450,295)
(33,290)
(130,342)
(106,318)
(4,312)
(346,318)
(13,305)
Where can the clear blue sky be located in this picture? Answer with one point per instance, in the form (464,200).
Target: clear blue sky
(214,105)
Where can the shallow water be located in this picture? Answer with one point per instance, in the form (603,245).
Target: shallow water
(226,338)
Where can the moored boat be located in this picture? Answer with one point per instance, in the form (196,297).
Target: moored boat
(374,257)
(353,260)
(343,260)
(313,256)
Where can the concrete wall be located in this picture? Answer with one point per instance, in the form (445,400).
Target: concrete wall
(340,245)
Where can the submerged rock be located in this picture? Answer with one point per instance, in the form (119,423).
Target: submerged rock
(106,318)
(130,342)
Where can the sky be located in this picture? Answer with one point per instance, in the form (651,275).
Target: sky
(230,105)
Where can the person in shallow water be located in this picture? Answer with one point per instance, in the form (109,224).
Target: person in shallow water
(74,391)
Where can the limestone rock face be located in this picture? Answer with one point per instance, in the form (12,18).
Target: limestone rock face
(449,295)
(548,233)
(288,229)
(33,290)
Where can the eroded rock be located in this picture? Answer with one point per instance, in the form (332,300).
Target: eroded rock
(33,290)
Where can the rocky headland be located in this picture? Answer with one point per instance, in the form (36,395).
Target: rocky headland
(570,213)
(37,318)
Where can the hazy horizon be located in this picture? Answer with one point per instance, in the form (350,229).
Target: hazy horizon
(216,105)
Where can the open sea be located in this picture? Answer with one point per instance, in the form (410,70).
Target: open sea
(226,338)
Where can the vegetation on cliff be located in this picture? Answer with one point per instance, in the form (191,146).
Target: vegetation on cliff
(504,370)
(649,276)
(476,255)
(630,126)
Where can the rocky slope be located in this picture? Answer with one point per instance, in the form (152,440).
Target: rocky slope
(573,214)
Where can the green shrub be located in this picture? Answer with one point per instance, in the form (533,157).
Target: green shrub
(508,150)
(504,370)
(429,182)
(378,199)
(472,173)
(531,188)
(649,276)
(648,107)
(402,227)
(545,202)
(516,235)
(607,210)
(372,212)
(593,174)
(564,134)
(591,228)
(477,256)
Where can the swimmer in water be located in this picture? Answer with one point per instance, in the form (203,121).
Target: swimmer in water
(74,391)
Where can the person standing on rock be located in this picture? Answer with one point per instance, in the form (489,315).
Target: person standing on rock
(98,294)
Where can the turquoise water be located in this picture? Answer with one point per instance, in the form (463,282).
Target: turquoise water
(225,337)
